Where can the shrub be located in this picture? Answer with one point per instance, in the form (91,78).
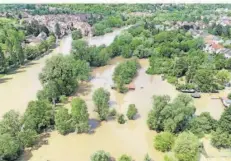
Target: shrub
(125,157)
(132,111)
(100,156)
(113,112)
(164,141)
(121,119)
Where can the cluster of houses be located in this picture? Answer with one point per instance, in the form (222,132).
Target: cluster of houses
(66,22)
(225,21)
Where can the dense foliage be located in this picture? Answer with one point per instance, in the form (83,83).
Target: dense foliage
(164,141)
(202,124)
(38,115)
(101,99)
(132,111)
(220,30)
(13,50)
(221,137)
(100,156)
(124,73)
(186,147)
(14,136)
(60,76)
(79,115)
(63,122)
(172,117)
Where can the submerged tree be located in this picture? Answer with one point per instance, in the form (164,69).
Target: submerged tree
(132,111)
(101,98)
(101,156)
(164,141)
(79,115)
(38,115)
(63,122)
(186,147)
(172,117)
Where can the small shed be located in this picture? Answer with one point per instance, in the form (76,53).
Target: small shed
(131,86)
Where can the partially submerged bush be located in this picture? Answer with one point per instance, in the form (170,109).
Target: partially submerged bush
(121,119)
(132,111)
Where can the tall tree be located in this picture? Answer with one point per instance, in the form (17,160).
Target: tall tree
(101,98)
(38,115)
(63,122)
(79,115)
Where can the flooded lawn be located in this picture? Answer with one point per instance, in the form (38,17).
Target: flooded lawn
(133,138)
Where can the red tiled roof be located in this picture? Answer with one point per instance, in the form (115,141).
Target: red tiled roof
(217,46)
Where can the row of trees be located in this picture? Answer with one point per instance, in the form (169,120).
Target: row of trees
(105,156)
(124,73)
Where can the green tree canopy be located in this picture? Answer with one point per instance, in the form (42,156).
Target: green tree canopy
(164,141)
(132,111)
(186,147)
(172,117)
(101,99)
(63,122)
(79,115)
(38,115)
(101,156)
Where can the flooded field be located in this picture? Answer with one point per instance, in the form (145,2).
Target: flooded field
(110,136)
(133,138)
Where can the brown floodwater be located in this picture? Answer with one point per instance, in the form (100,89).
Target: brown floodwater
(20,86)
(133,138)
